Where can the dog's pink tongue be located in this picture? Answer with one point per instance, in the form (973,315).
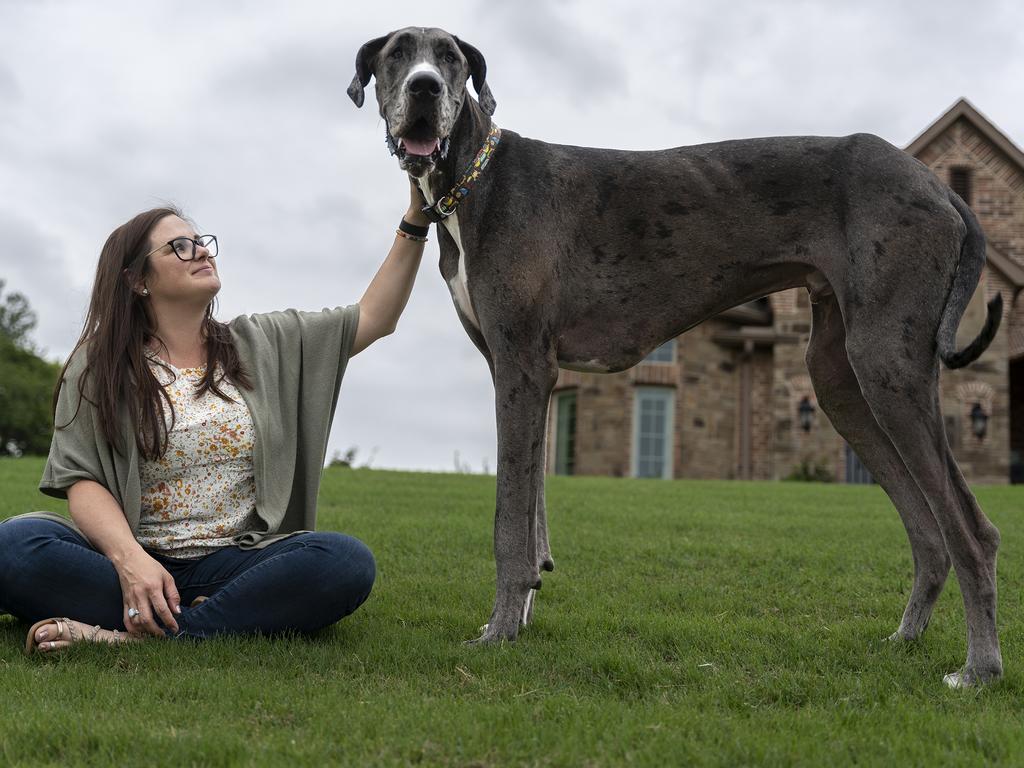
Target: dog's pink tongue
(420,146)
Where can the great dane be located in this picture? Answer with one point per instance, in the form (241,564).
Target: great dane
(588,259)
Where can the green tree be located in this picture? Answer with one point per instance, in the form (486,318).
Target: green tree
(26,382)
(16,318)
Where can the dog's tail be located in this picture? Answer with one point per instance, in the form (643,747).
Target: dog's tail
(965,280)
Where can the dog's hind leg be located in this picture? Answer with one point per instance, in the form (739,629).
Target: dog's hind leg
(898,375)
(523,380)
(840,397)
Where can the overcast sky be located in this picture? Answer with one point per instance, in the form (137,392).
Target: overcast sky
(237,112)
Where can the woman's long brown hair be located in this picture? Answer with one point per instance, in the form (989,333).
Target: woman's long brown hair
(117,328)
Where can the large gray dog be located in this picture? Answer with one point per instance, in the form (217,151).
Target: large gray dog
(561,256)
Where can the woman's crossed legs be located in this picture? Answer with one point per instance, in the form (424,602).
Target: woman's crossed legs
(302,583)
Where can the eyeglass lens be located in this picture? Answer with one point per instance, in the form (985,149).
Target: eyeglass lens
(185,247)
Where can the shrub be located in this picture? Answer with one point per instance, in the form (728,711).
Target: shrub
(811,471)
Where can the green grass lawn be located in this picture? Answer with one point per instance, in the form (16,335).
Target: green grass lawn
(687,623)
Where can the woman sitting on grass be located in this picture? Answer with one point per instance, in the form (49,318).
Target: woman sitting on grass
(190,453)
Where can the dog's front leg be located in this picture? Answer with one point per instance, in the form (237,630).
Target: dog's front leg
(522,386)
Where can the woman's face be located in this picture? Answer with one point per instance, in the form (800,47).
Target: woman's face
(172,280)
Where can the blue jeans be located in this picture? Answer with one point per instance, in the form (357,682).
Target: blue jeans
(302,583)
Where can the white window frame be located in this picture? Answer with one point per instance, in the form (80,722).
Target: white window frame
(671,344)
(668,396)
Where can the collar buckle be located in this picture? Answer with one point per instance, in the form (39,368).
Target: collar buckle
(445,208)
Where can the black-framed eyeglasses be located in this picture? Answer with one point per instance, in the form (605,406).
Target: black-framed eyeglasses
(185,247)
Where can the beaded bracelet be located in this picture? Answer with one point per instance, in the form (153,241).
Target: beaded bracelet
(407,236)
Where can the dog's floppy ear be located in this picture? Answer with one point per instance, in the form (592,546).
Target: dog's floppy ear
(364,68)
(478,69)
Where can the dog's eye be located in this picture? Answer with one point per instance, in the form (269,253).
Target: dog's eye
(450,57)
(396,54)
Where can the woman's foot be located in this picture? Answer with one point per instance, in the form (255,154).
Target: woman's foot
(52,635)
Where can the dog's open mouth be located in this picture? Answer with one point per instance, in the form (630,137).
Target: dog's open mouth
(419,145)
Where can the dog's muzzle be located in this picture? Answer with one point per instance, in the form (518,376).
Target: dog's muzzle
(417,141)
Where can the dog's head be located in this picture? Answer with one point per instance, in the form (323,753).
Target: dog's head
(421,86)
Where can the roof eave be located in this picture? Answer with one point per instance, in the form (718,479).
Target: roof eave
(1012,272)
(964,109)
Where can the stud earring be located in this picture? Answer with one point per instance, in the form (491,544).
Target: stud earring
(145,291)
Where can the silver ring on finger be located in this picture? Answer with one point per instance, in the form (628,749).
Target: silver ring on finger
(133,613)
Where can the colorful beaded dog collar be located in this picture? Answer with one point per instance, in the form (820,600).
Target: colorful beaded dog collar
(446,205)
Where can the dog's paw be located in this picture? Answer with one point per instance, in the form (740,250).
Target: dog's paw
(524,619)
(956,680)
(489,638)
(903,636)
(492,634)
(963,679)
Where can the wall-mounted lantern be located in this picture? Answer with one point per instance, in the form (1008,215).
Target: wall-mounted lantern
(806,413)
(979,421)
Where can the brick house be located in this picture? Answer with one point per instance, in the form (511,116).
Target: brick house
(732,399)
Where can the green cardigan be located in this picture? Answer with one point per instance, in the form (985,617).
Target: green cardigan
(295,361)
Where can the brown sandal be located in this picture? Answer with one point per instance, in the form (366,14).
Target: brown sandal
(31,646)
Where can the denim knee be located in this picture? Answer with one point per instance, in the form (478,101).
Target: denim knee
(18,539)
(349,569)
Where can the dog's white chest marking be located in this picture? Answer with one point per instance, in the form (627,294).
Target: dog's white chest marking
(459,284)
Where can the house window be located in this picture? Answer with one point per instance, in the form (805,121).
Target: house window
(856,472)
(666,353)
(960,182)
(565,433)
(653,432)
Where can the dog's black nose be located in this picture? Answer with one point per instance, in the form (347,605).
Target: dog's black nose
(425,85)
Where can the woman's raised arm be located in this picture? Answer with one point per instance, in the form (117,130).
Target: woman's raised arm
(388,292)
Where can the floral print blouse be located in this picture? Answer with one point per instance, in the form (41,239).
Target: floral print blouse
(201,493)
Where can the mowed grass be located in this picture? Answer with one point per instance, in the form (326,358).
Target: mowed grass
(686,623)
